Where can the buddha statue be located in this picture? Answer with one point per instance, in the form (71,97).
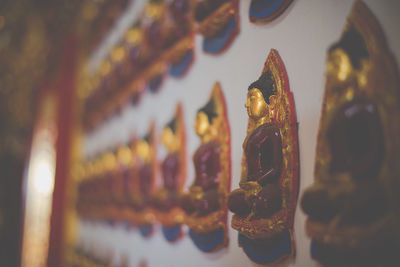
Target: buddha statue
(170,169)
(154,28)
(145,150)
(136,52)
(263,149)
(173,168)
(179,40)
(110,187)
(178,25)
(121,179)
(207,165)
(205,204)
(265,201)
(352,203)
(145,173)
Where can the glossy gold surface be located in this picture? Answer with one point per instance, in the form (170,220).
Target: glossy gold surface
(105,68)
(169,140)
(124,156)
(339,65)
(201,124)
(118,54)
(257,108)
(134,35)
(143,150)
(109,161)
(154,10)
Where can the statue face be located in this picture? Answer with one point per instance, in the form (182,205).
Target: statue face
(201,125)
(143,150)
(134,36)
(168,139)
(255,104)
(339,65)
(125,155)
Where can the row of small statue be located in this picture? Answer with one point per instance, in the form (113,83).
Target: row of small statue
(352,206)
(161,41)
(122,185)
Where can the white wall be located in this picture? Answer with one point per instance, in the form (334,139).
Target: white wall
(302,36)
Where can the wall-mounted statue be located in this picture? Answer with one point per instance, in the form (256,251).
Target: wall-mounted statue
(169,34)
(155,34)
(137,58)
(206,203)
(173,171)
(353,205)
(180,37)
(87,188)
(265,203)
(218,22)
(145,162)
(105,201)
(120,187)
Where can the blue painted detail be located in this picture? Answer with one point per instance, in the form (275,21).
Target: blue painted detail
(217,43)
(146,230)
(207,242)
(266,250)
(155,83)
(265,8)
(171,233)
(177,70)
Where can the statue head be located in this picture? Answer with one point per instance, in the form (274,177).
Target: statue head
(258,96)
(143,148)
(346,57)
(168,137)
(204,118)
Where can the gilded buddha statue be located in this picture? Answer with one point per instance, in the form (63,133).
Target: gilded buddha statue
(265,201)
(173,172)
(352,206)
(263,151)
(206,162)
(205,204)
(180,37)
(142,200)
(170,168)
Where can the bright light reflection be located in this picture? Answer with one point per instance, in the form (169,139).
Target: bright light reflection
(42,174)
